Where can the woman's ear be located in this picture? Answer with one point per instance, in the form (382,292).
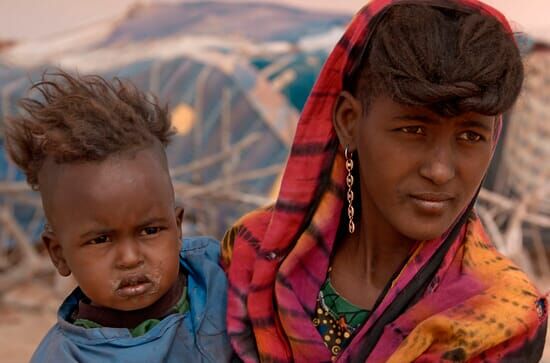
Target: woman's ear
(55,250)
(346,114)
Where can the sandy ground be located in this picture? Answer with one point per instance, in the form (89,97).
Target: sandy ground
(23,323)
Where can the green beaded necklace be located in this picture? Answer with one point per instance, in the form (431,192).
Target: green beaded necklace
(336,318)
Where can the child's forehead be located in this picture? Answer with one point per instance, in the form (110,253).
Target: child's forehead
(99,180)
(132,159)
(82,201)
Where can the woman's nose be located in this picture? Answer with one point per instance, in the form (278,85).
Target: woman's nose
(439,164)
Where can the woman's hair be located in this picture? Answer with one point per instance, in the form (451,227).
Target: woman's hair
(83,118)
(452,60)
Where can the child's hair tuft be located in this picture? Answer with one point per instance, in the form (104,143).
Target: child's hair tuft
(83,118)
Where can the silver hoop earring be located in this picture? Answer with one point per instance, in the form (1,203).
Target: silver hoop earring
(349,182)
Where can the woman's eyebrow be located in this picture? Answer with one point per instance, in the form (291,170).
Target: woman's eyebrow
(421,118)
(430,120)
(477,123)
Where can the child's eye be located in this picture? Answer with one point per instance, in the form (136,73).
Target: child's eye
(470,136)
(147,231)
(418,130)
(101,239)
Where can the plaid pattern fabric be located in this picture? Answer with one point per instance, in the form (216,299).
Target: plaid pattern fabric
(456,298)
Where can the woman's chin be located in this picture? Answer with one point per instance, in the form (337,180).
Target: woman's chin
(424,227)
(424,232)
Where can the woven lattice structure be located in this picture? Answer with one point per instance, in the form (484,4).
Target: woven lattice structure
(527,144)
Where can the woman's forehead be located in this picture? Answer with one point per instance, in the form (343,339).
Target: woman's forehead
(400,111)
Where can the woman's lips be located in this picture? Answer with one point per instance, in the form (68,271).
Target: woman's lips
(432,203)
(133,286)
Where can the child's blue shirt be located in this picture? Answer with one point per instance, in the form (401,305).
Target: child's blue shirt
(199,335)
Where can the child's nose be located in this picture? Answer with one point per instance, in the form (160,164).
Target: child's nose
(128,254)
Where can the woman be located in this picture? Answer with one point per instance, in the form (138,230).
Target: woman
(373,251)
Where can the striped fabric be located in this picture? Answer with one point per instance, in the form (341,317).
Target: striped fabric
(456,298)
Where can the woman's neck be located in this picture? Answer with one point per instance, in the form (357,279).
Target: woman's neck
(366,260)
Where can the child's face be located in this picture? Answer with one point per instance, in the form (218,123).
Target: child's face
(114,227)
(418,170)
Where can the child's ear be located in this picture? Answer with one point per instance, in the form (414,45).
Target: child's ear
(346,114)
(179,220)
(55,251)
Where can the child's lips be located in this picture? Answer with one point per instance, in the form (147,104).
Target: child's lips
(132,286)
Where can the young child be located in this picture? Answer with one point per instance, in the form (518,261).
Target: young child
(95,151)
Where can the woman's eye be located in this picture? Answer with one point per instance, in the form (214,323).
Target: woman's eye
(100,239)
(470,136)
(147,231)
(418,130)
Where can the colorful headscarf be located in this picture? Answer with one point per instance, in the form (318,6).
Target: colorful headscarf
(455,299)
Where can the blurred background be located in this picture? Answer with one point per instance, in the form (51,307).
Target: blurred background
(235,76)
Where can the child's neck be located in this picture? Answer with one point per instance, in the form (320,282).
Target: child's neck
(113,318)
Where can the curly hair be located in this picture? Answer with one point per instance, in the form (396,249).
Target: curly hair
(83,118)
(448,58)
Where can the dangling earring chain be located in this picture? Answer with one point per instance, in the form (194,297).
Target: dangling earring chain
(349,181)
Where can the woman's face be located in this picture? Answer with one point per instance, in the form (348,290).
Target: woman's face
(418,170)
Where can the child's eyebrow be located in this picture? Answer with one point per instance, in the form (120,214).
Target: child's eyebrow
(152,220)
(101,231)
(96,232)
